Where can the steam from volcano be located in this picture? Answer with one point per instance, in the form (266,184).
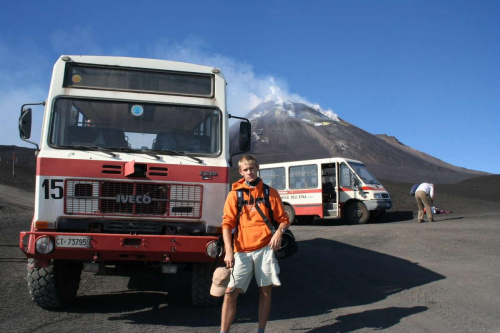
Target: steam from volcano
(246,88)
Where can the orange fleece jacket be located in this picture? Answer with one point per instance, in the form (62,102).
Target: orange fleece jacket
(253,232)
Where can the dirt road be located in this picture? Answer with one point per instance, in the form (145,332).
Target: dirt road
(393,277)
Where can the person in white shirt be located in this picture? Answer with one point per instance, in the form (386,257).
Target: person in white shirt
(425,197)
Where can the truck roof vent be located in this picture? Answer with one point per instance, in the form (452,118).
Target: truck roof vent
(114,169)
(158,171)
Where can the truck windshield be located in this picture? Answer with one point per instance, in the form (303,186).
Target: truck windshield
(140,126)
(364,174)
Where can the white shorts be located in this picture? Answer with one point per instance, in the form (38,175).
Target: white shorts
(262,263)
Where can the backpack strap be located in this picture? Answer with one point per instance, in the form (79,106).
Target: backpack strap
(266,219)
(240,202)
(271,224)
(268,204)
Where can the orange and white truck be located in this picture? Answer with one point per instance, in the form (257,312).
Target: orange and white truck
(328,188)
(132,170)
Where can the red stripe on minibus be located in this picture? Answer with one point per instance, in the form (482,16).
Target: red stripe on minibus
(308,209)
(316,190)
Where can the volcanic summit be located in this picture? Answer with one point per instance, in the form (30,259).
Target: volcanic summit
(290,131)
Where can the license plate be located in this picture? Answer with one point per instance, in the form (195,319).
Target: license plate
(73,241)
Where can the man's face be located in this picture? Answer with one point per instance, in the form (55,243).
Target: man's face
(249,171)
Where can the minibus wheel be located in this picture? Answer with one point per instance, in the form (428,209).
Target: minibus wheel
(357,213)
(291,213)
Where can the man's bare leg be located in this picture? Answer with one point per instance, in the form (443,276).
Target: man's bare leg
(228,310)
(264,305)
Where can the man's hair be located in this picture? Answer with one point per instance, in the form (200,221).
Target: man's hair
(247,159)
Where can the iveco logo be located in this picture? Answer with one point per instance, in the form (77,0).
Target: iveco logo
(133,199)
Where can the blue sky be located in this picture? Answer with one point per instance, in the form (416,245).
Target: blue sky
(426,72)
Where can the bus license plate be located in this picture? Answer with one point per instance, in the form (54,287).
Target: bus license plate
(73,241)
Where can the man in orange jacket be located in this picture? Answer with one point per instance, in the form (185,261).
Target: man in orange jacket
(253,250)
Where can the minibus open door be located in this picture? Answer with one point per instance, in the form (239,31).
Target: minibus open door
(330,190)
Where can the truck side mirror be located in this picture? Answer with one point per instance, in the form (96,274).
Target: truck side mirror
(245,136)
(357,184)
(25,124)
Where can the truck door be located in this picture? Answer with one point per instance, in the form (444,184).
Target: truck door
(329,178)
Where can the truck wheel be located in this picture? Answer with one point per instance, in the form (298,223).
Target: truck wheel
(357,212)
(56,285)
(202,281)
(291,213)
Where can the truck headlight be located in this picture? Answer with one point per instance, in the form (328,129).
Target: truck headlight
(212,249)
(44,245)
(377,195)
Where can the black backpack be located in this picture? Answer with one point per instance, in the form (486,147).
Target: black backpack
(241,201)
(288,244)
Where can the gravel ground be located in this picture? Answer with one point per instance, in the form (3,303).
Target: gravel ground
(394,276)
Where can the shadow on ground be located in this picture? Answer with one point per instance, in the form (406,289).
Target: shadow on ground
(375,319)
(387,217)
(324,275)
(397,216)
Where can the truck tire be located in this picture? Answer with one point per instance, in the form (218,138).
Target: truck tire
(200,289)
(291,213)
(357,213)
(56,285)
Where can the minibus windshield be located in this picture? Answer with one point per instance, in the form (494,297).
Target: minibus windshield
(364,173)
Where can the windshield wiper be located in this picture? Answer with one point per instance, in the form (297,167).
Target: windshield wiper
(150,153)
(141,151)
(80,147)
(178,153)
(155,153)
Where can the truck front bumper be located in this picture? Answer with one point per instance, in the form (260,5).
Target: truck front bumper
(111,247)
(378,204)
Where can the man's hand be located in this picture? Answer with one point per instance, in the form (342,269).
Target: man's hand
(228,248)
(276,240)
(229,259)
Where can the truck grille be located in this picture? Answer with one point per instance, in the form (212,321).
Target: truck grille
(132,199)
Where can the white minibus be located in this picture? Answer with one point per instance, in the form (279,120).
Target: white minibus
(327,188)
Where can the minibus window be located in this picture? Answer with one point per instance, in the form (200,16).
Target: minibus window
(364,173)
(274,177)
(303,176)
(347,177)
